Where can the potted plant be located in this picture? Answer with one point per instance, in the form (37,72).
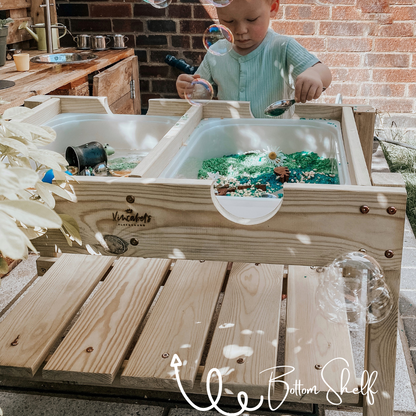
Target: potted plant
(26,202)
(4,30)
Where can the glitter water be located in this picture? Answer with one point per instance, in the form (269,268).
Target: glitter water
(353,289)
(219,3)
(201,92)
(218,40)
(253,173)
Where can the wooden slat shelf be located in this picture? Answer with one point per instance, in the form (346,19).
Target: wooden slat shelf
(44,78)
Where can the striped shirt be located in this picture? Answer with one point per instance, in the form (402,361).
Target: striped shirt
(263,76)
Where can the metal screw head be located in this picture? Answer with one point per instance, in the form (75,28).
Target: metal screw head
(320,269)
(313,267)
(90,349)
(240,361)
(130,199)
(364,209)
(134,242)
(165,355)
(391,210)
(389,254)
(257,264)
(362,250)
(202,261)
(318,366)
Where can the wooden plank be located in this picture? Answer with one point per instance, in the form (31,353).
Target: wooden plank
(15,34)
(227,109)
(43,78)
(39,319)
(160,156)
(311,339)
(14,4)
(316,110)
(247,330)
(108,323)
(168,107)
(355,157)
(33,102)
(38,13)
(137,97)
(186,221)
(388,179)
(124,105)
(75,104)
(43,264)
(179,324)
(44,112)
(114,82)
(380,355)
(365,120)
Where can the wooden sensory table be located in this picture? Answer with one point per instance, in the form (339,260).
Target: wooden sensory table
(197,282)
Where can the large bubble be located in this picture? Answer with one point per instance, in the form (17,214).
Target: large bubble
(218,40)
(201,91)
(219,3)
(159,4)
(353,290)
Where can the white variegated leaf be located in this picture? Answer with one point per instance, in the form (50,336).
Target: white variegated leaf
(27,177)
(16,113)
(17,129)
(9,181)
(41,140)
(68,240)
(44,158)
(13,243)
(44,193)
(58,191)
(38,131)
(71,227)
(31,213)
(14,144)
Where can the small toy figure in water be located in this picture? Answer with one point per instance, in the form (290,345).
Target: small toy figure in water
(109,150)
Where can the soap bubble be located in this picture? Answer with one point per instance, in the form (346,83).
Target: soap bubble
(201,92)
(100,170)
(353,290)
(221,37)
(159,4)
(219,3)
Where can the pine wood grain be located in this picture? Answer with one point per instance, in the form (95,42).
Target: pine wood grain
(248,330)
(179,325)
(40,317)
(315,224)
(313,340)
(388,179)
(168,107)
(108,324)
(14,4)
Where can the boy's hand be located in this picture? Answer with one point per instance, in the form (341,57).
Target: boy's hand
(310,83)
(183,84)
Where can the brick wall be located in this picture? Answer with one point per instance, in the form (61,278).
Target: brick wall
(370,45)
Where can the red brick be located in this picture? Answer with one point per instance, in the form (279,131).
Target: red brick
(294,28)
(392,105)
(144,10)
(355,101)
(349,74)
(373,6)
(313,44)
(196,27)
(412,90)
(346,89)
(395,45)
(127,25)
(205,12)
(152,71)
(349,44)
(382,90)
(414,61)
(344,28)
(391,60)
(346,13)
(197,42)
(307,12)
(396,30)
(146,97)
(399,2)
(183,11)
(195,58)
(111,10)
(337,2)
(394,75)
(404,12)
(340,59)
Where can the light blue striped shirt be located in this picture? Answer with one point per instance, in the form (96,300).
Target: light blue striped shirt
(262,77)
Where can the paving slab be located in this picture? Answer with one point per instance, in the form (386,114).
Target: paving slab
(407,303)
(408,279)
(26,404)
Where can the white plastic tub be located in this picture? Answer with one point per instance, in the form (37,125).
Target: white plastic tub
(123,132)
(217,138)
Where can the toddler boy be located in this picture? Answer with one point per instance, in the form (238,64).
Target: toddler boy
(263,66)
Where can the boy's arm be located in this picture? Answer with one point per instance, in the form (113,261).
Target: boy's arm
(309,83)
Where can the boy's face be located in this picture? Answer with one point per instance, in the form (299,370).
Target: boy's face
(249,21)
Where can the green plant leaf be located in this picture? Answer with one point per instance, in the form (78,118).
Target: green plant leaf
(71,227)
(31,213)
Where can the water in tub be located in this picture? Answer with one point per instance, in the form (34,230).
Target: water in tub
(250,158)
(131,136)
